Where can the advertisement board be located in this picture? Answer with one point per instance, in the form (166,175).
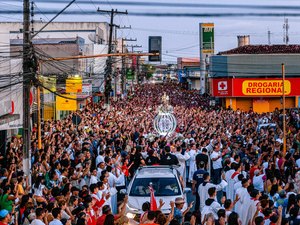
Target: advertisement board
(129,74)
(239,87)
(86,91)
(155,43)
(66,104)
(74,85)
(222,87)
(207,38)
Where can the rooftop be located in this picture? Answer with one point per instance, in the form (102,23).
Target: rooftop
(263,49)
(189,60)
(47,41)
(149,172)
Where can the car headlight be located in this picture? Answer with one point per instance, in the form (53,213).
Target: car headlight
(130,215)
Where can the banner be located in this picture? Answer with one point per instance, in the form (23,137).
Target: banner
(74,85)
(15,117)
(222,87)
(87,90)
(66,104)
(239,87)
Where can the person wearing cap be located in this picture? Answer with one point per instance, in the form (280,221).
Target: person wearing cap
(5,217)
(178,214)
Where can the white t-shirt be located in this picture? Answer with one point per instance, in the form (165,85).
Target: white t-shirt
(55,222)
(39,191)
(37,222)
(217,164)
(258,182)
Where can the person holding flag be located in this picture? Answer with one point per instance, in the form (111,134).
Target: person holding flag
(150,206)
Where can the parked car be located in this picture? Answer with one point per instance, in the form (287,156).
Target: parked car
(165,181)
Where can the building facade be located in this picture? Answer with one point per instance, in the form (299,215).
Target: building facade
(251,77)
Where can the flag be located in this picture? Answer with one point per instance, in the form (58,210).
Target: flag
(153,205)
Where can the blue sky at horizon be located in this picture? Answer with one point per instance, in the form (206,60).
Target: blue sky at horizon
(180,34)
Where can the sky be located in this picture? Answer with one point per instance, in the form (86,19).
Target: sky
(180,34)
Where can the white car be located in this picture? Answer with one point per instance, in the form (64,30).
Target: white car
(165,182)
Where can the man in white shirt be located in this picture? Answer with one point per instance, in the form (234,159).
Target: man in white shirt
(216,157)
(41,219)
(94,179)
(203,189)
(258,180)
(211,205)
(100,158)
(57,213)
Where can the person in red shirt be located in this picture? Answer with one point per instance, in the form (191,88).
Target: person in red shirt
(5,217)
(106,210)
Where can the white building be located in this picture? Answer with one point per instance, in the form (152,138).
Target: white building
(95,35)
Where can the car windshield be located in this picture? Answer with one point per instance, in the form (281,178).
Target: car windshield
(161,186)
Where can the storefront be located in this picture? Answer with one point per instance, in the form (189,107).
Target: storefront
(263,95)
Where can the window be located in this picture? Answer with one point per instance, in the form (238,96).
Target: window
(161,186)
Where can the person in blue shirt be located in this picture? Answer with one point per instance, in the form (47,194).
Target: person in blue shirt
(178,214)
(197,180)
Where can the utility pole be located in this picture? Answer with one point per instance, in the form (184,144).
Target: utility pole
(136,74)
(286,27)
(26,88)
(38,89)
(109,60)
(123,77)
(283,108)
(132,51)
(116,74)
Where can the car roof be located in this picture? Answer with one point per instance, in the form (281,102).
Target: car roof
(148,172)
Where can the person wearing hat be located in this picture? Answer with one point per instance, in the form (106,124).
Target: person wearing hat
(178,214)
(5,217)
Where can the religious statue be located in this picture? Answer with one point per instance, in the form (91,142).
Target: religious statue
(165,122)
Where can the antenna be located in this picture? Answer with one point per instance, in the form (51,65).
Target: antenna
(269,37)
(286,31)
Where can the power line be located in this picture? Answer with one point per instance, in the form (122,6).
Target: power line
(180,5)
(168,14)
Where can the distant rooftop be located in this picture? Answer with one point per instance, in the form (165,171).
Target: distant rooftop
(47,41)
(263,49)
(190,60)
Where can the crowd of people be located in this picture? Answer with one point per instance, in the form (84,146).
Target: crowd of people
(238,172)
